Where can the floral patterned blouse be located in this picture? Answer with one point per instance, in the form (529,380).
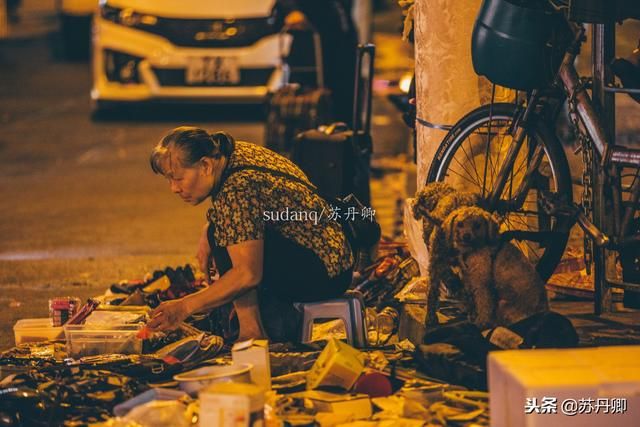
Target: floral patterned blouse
(250,200)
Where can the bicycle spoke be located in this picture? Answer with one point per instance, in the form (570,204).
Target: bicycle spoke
(520,243)
(465,169)
(471,159)
(522,221)
(461,176)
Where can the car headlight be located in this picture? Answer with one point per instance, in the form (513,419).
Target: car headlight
(127,16)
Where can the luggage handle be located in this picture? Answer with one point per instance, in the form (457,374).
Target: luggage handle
(359,104)
(317,47)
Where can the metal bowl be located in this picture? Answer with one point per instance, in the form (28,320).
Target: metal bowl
(193,381)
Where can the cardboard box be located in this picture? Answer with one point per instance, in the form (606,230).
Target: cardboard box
(338,365)
(572,387)
(356,405)
(256,353)
(232,405)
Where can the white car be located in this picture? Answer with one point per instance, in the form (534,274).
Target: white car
(190,50)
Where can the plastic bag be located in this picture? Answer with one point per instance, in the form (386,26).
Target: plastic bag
(159,414)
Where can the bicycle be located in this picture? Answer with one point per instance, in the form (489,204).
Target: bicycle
(510,155)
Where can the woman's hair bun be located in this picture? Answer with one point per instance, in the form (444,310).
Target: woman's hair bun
(224,141)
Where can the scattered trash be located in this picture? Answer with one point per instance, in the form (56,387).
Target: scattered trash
(339,365)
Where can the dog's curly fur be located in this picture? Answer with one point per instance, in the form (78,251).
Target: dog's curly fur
(425,202)
(432,205)
(501,285)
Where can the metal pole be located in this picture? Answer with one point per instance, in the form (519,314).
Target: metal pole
(603,51)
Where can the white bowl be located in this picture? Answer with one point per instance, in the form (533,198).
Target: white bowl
(193,381)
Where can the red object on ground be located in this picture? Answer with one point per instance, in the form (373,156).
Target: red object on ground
(388,264)
(143,333)
(374,384)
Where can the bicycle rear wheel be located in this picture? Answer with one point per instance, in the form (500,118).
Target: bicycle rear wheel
(470,157)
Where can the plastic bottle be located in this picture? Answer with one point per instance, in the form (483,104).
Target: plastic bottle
(386,324)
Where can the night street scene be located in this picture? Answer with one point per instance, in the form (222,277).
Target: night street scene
(290,213)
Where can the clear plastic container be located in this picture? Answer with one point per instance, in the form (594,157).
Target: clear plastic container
(88,340)
(35,330)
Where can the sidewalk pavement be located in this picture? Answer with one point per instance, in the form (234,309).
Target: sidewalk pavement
(37,19)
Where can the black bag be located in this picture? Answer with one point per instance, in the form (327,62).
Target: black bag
(335,158)
(361,232)
(303,104)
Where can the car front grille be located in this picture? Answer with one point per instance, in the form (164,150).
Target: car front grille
(248,77)
(212,32)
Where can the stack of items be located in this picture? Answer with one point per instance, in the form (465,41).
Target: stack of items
(159,286)
(343,386)
(114,361)
(387,276)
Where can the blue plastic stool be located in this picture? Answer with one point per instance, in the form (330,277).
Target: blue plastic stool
(349,309)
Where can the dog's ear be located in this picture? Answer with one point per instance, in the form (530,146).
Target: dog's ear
(415,209)
(493,228)
(449,224)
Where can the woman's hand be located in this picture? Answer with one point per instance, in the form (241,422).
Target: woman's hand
(168,315)
(204,254)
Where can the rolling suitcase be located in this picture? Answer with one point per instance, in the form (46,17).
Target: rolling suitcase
(336,159)
(303,104)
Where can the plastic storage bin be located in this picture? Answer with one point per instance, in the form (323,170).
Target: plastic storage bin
(88,340)
(34,330)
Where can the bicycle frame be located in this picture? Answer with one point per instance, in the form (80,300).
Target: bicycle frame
(611,156)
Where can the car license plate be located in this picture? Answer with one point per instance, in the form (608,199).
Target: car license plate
(212,70)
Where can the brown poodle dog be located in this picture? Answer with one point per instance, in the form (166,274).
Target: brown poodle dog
(501,285)
(424,204)
(432,205)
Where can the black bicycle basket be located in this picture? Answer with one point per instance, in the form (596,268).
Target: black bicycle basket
(515,43)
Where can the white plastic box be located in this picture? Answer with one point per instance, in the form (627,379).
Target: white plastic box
(256,353)
(89,340)
(571,387)
(35,330)
(232,405)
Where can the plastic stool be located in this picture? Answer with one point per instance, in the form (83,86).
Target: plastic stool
(349,309)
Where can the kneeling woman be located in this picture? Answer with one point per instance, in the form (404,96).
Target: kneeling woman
(269,232)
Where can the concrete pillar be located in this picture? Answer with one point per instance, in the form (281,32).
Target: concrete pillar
(4,25)
(446,85)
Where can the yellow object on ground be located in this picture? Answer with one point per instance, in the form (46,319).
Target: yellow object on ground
(338,365)
(358,406)
(232,405)
(255,353)
(162,284)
